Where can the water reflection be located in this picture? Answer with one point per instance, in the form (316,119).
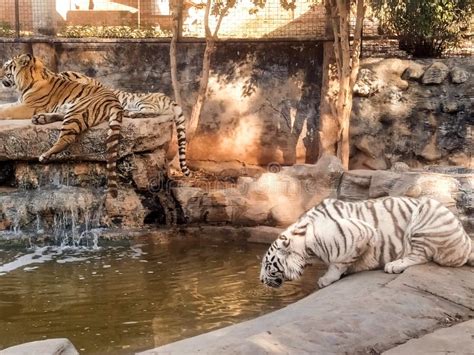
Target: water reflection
(122,299)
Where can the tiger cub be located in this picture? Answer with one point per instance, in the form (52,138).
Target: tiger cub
(137,105)
(393,233)
(43,93)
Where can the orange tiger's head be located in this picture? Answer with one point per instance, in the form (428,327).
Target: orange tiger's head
(21,71)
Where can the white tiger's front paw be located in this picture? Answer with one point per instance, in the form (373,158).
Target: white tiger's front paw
(395,267)
(325,281)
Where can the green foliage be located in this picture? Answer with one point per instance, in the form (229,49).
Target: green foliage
(112,32)
(426,28)
(220,7)
(6,29)
(285,4)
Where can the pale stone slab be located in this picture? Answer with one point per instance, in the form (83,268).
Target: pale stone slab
(458,339)
(60,346)
(22,140)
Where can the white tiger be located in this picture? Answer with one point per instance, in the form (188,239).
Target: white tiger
(391,232)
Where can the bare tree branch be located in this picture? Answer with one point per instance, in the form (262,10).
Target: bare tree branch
(356,48)
(331,9)
(206,19)
(176,12)
(221,16)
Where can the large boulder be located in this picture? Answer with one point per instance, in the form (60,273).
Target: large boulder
(414,71)
(458,75)
(274,198)
(367,83)
(435,74)
(22,140)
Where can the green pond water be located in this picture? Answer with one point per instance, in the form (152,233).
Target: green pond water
(123,299)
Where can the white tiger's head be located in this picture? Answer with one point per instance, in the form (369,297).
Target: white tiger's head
(286,257)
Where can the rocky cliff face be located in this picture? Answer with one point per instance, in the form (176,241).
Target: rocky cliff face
(263,100)
(67,194)
(278,198)
(417,112)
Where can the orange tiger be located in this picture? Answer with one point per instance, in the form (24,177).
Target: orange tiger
(43,93)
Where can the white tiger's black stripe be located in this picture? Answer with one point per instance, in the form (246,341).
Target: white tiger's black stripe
(139,104)
(391,232)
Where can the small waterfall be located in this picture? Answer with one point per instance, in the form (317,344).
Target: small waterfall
(65,216)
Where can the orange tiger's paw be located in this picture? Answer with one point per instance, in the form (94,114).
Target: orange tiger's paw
(43,158)
(38,119)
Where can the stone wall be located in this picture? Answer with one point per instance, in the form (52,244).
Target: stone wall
(418,112)
(263,97)
(279,198)
(263,101)
(66,197)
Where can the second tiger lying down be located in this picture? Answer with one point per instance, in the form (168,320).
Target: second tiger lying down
(393,233)
(137,105)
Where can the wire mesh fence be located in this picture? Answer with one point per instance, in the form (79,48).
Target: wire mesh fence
(269,19)
(153,18)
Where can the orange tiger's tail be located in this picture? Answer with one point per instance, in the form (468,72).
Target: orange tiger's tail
(180,123)
(113,137)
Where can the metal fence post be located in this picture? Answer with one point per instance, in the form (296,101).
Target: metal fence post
(139,16)
(17,18)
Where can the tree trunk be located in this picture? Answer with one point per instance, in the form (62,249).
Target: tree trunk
(172,153)
(344,99)
(176,13)
(203,83)
(347,64)
(206,66)
(328,125)
(328,121)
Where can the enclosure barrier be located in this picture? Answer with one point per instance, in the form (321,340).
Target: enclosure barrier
(300,19)
(294,20)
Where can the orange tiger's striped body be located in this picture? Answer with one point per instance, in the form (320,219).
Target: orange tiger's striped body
(145,104)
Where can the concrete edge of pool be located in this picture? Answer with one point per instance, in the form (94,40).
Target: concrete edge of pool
(370,312)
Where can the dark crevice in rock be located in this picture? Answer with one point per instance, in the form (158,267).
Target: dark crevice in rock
(7,173)
(162,204)
(424,291)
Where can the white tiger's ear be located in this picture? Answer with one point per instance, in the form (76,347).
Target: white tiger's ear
(299,229)
(25,59)
(282,243)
